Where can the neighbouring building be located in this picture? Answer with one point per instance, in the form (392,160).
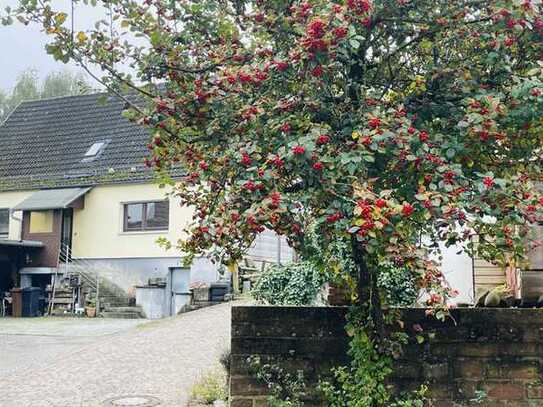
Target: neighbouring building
(473,277)
(74,190)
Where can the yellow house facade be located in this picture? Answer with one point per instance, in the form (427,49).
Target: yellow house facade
(103,217)
(99,232)
(77,200)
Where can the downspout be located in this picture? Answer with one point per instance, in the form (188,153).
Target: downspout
(20,220)
(22,261)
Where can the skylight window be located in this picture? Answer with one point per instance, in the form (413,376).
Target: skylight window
(95,150)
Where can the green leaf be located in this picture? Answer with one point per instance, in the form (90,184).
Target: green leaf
(60,18)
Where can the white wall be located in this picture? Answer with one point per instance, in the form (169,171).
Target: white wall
(458,271)
(98,227)
(9,200)
(271,247)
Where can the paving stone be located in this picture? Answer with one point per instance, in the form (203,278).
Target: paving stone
(161,359)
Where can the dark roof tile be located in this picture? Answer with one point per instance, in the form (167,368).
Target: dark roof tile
(43,142)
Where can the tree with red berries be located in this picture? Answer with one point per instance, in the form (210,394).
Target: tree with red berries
(380,122)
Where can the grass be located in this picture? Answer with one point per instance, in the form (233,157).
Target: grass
(149,324)
(211,387)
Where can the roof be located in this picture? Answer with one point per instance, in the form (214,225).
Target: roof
(43,144)
(51,199)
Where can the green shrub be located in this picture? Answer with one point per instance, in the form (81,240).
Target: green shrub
(397,285)
(363,383)
(226,360)
(212,386)
(291,284)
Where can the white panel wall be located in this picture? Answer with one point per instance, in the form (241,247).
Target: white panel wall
(271,247)
(458,271)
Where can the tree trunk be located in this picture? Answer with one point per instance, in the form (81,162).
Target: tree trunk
(364,274)
(369,299)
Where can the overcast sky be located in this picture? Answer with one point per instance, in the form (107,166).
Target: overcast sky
(22,47)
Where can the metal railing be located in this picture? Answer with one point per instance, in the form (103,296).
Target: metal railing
(83,270)
(93,277)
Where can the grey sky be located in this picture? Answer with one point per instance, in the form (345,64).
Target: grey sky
(22,47)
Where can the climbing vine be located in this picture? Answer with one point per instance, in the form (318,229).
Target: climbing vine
(364,383)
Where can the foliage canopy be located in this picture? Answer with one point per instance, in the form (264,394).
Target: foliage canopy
(28,87)
(382,120)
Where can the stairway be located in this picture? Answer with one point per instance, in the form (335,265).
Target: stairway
(112,299)
(109,294)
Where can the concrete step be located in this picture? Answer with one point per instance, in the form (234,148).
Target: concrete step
(136,308)
(114,302)
(107,306)
(121,315)
(112,298)
(123,312)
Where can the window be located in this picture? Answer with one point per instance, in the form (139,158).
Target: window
(4,223)
(95,150)
(41,222)
(146,216)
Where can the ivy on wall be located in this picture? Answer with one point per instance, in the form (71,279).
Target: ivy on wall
(291,284)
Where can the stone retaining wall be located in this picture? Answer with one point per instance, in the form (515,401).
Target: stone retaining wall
(496,351)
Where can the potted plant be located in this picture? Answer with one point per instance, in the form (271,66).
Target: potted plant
(90,308)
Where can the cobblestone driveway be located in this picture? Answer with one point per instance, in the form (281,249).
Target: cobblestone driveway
(160,359)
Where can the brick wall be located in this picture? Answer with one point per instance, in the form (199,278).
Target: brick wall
(497,351)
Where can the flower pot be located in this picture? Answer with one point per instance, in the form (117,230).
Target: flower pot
(90,312)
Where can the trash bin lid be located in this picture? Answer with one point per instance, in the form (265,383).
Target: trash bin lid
(30,289)
(219,285)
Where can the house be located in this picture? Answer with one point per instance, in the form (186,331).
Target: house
(473,277)
(75,195)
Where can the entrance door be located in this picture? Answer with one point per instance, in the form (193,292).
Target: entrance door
(179,283)
(66,232)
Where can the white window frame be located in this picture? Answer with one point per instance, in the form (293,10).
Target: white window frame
(125,231)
